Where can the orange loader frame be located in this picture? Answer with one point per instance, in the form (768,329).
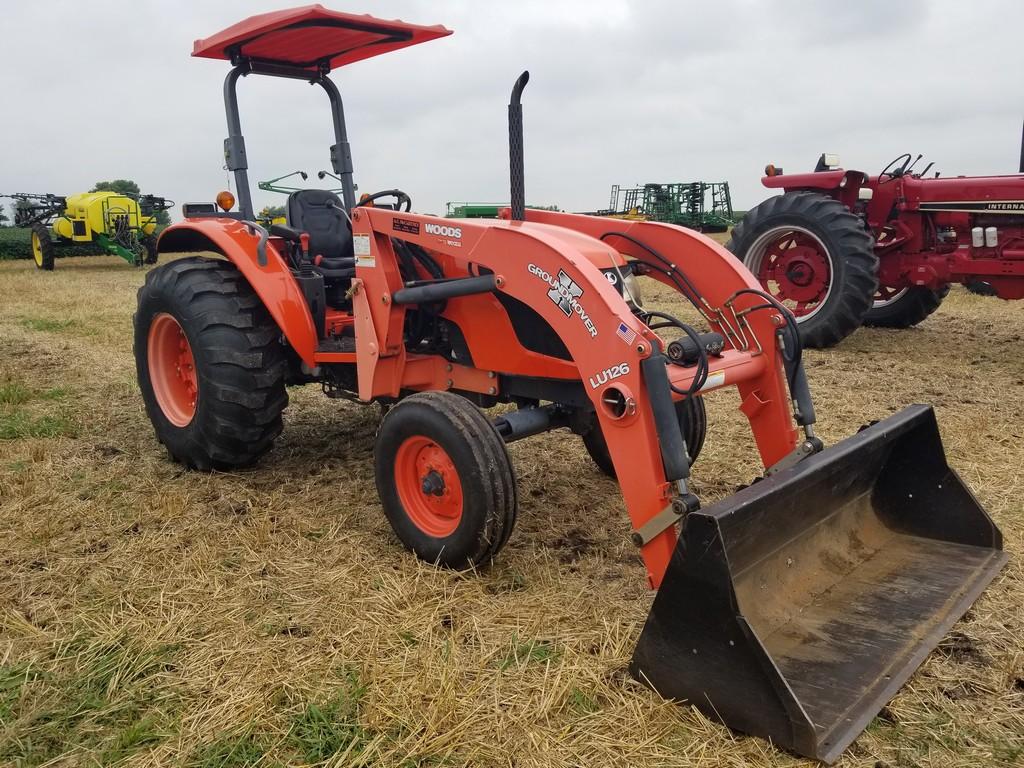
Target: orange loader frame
(513,251)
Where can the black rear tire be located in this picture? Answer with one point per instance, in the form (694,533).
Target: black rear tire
(907,310)
(849,251)
(693,423)
(458,444)
(44,250)
(238,357)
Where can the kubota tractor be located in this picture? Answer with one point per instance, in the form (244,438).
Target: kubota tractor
(121,225)
(841,248)
(792,610)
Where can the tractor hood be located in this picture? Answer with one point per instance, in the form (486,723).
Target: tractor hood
(312,37)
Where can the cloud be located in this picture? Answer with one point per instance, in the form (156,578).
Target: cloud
(621,92)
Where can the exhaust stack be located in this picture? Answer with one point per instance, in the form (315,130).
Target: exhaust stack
(515,149)
(1022,151)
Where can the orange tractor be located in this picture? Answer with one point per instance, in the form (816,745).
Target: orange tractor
(792,610)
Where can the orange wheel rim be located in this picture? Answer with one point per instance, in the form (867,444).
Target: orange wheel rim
(172,370)
(428,486)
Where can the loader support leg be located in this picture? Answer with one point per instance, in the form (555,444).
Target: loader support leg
(771,425)
(673,447)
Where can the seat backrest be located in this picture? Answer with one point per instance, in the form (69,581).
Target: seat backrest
(319,212)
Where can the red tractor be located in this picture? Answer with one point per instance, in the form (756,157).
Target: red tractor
(841,248)
(441,319)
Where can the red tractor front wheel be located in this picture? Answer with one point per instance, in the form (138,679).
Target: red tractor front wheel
(904,307)
(814,256)
(445,479)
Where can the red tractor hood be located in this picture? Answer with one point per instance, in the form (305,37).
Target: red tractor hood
(817,180)
(312,37)
(974,194)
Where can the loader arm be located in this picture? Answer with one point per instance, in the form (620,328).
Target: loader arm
(553,268)
(717,275)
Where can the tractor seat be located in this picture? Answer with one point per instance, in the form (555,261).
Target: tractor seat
(321,214)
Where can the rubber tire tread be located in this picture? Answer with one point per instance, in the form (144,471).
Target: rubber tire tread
(854,272)
(490,504)
(909,309)
(239,358)
(46,245)
(693,422)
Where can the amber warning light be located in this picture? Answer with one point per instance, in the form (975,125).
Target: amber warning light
(225,200)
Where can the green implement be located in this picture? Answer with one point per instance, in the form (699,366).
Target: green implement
(685,204)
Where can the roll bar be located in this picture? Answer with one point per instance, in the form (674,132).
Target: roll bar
(234,145)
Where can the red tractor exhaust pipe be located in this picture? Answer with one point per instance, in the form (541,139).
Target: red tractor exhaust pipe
(1021,170)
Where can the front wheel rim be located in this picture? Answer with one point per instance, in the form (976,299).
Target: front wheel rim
(793,264)
(172,370)
(428,486)
(887,296)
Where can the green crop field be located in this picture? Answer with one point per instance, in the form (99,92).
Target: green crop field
(15,244)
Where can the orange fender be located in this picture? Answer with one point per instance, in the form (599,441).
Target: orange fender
(273,283)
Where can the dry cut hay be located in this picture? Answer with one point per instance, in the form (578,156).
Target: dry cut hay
(151,616)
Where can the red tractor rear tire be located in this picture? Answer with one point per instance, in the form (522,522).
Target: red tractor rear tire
(906,309)
(210,364)
(693,423)
(445,480)
(813,254)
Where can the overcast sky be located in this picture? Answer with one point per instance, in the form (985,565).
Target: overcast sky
(620,92)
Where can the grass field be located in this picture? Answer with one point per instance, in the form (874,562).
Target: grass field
(152,616)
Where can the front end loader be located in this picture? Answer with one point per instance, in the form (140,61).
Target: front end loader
(792,610)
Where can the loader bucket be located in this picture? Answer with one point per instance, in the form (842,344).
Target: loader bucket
(795,609)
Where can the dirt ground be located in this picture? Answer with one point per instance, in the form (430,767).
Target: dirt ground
(153,616)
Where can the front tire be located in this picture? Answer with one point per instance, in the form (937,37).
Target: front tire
(43,248)
(980,287)
(445,480)
(906,308)
(815,256)
(693,423)
(210,364)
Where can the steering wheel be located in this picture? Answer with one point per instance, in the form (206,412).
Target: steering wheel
(890,171)
(402,197)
